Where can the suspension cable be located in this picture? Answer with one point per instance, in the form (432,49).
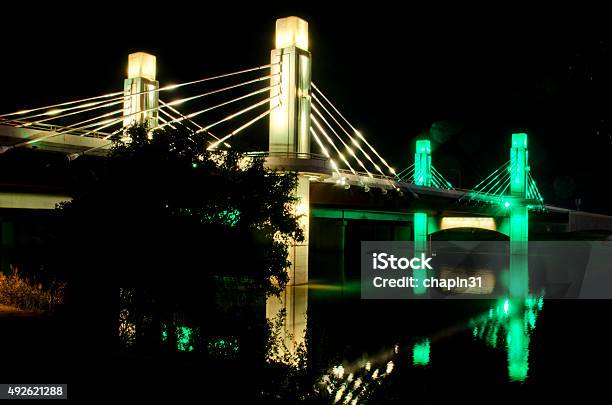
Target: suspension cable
(340,154)
(236,131)
(355,142)
(348,149)
(354,130)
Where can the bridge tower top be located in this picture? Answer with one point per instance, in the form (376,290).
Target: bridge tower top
(142,105)
(291,31)
(519,166)
(422,163)
(290,88)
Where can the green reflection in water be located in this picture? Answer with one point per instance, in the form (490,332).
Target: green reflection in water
(183,339)
(184,336)
(515,319)
(517,340)
(164,329)
(223,347)
(420,353)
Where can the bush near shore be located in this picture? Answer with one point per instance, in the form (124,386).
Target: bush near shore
(28,294)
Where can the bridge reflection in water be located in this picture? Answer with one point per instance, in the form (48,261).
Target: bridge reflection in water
(507,325)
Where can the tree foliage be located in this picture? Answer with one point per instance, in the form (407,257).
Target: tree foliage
(162,214)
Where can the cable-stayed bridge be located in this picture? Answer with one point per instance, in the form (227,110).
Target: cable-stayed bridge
(342,176)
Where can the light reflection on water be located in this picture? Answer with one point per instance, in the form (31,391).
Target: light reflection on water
(512,320)
(507,325)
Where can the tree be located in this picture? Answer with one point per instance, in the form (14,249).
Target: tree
(164,217)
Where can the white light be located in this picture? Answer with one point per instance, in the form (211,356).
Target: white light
(468,222)
(338,371)
(291,31)
(141,64)
(339,395)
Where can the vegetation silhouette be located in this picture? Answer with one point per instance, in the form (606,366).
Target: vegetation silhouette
(164,235)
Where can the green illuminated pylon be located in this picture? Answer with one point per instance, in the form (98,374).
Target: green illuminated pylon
(519,217)
(422,163)
(422,177)
(420,246)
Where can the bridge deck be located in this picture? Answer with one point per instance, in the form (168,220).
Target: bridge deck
(53,139)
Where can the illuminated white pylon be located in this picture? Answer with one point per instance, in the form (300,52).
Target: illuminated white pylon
(142,101)
(290,122)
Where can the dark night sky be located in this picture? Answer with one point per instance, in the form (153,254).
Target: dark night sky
(466,77)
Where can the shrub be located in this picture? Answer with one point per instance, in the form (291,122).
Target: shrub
(28,294)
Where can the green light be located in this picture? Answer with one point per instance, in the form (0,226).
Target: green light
(516,318)
(422,163)
(223,347)
(519,218)
(519,260)
(518,165)
(540,303)
(183,339)
(164,336)
(518,350)
(194,165)
(184,336)
(506,204)
(421,353)
(420,246)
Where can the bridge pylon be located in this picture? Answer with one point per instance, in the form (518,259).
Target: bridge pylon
(519,217)
(422,177)
(289,143)
(142,100)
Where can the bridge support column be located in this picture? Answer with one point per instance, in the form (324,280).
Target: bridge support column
(420,247)
(422,177)
(519,218)
(342,248)
(141,105)
(294,299)
(290,134)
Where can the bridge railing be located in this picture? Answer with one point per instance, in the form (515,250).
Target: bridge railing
(364,174)
(286,155)
(61,130)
